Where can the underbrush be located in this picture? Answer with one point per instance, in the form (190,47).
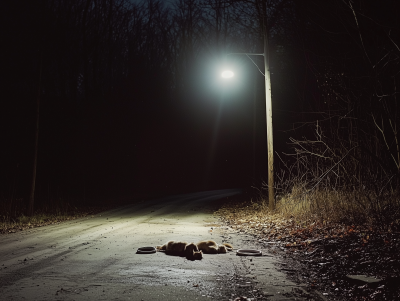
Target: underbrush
(357,207)
(332,178)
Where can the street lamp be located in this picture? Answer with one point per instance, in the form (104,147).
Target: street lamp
(268,100)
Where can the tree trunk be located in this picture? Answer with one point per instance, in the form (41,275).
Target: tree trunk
(33,184)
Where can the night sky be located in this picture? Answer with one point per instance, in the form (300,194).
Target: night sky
(131,99)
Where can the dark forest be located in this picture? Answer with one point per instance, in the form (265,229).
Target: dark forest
(124,100)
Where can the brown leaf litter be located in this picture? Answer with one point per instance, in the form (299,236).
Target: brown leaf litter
(322,254)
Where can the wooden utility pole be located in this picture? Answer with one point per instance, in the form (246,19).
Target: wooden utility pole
(268,100)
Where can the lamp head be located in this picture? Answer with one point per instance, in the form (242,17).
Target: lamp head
(227,74)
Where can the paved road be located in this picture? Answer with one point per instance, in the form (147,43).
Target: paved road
(95,258)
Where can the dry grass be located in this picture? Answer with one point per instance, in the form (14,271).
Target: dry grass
(301,215)
(292,229)
(356,207)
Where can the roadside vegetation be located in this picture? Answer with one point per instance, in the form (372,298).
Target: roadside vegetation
(330,224)
(18,221)
(337,213)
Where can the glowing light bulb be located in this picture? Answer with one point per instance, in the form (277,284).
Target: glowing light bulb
(227,74)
